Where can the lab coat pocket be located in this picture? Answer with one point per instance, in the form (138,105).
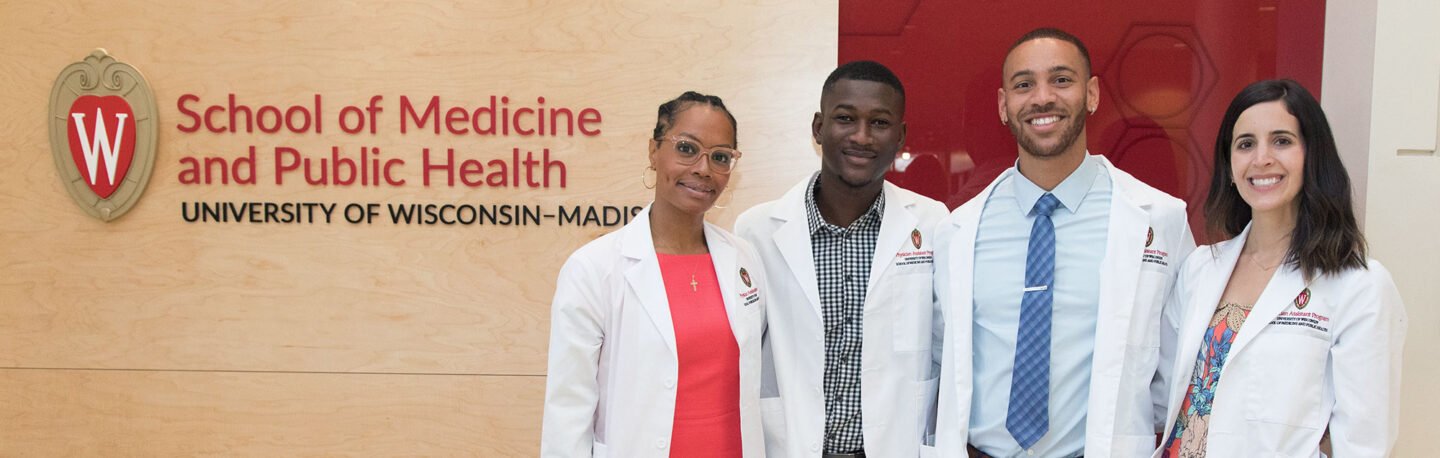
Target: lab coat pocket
(772,420)
(1287,378)
(752,319)
(597,450)
(910,298)
(925,406)
(1149,307)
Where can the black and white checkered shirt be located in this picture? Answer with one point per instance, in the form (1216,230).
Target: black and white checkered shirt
(842,268)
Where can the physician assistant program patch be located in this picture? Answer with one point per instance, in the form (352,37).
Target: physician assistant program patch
(752,294)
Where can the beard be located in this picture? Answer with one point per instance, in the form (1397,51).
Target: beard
(1075,125)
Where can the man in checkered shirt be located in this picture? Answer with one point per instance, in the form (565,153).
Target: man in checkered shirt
(848,361)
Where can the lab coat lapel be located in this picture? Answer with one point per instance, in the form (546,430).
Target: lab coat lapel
(723,256)
(643,276)
(1205,292)
(960,280)
(896,225)
(1280,292)
(1119,278)
(1205,296)
(793,241)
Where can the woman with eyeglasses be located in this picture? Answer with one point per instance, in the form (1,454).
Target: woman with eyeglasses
(655,328)
(1286,330)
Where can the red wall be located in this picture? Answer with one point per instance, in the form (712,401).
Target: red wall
(1167,71)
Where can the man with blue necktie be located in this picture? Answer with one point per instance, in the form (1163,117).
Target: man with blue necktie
(1052,282)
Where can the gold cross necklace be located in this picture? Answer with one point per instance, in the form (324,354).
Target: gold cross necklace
(694,285)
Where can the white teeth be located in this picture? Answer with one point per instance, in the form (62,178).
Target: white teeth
(1044,121)
(1264,181)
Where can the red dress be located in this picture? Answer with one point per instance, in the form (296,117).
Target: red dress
(707,394)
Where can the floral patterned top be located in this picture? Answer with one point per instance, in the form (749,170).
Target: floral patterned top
(1187,439)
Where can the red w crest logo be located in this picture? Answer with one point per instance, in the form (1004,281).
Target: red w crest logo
(102,134)
(102,141)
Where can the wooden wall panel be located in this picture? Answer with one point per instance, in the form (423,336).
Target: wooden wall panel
(147,413)
(163,337)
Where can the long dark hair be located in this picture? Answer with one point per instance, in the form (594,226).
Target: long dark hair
(666,116)
(1326,239)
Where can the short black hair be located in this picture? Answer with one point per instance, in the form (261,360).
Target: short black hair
(1050,32)
(666,116)
(865,70)
(1326,238)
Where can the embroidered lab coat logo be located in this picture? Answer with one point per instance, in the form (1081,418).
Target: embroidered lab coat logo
(915,238)
(752,295)
(1154,256)
(1301,319)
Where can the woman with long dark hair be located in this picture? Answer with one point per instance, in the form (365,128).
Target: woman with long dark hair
(1296,333)
(655,328)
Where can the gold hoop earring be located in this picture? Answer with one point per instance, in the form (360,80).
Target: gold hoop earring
(642,178)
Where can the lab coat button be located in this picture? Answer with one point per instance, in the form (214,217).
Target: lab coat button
(660,443)
(670,383)
(814,446)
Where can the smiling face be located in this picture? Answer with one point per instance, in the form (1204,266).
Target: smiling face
(691,189)
(1267,159)
(1045,97)
(859,130)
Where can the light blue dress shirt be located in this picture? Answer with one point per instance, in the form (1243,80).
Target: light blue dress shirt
(1001,241)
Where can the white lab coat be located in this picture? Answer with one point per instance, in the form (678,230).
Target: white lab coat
(1136,275)
(1293,371)
(897,373)
(611,379)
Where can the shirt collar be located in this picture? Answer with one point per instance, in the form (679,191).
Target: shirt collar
(1071,191)
(812,210)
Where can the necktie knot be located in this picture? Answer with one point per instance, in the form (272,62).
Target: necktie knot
(1046,205)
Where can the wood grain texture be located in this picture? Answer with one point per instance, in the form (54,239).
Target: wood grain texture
(130,413)
(176,315)
(152,291)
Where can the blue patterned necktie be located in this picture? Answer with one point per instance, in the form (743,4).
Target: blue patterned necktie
(1029,415)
